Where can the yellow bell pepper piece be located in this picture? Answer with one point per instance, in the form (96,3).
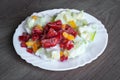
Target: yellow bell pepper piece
(35,47)
(39,27)
(35,17)
(66,54)
(29,43)
(63,26)
(72,24)
(61,53)
(68,36)
(65,34)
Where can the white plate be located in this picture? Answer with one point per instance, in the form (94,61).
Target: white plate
(93,50)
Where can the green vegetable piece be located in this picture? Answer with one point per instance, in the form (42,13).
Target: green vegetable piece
(92,36)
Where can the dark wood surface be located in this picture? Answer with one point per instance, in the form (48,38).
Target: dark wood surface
(106,67)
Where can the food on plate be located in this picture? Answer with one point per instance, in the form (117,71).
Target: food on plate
(58,37)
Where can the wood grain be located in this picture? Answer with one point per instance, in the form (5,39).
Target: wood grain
(106,67)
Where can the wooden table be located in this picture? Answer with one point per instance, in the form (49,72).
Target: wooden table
(106,67)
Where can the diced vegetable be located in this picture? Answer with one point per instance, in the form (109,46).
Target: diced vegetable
(55,55)
(40,52)
(29,43)
(72,24)
(23,44)
(35,47)
(68,36)
(92,36)
(61,53)
(34,17)
(29,50)
(65,34)
(63,26)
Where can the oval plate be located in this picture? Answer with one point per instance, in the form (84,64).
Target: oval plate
(93,50)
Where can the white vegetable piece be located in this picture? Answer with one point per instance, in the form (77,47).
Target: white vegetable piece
(54,52)
(79,47)
(68,15)
(30,22)
(41,53)
(88,32)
